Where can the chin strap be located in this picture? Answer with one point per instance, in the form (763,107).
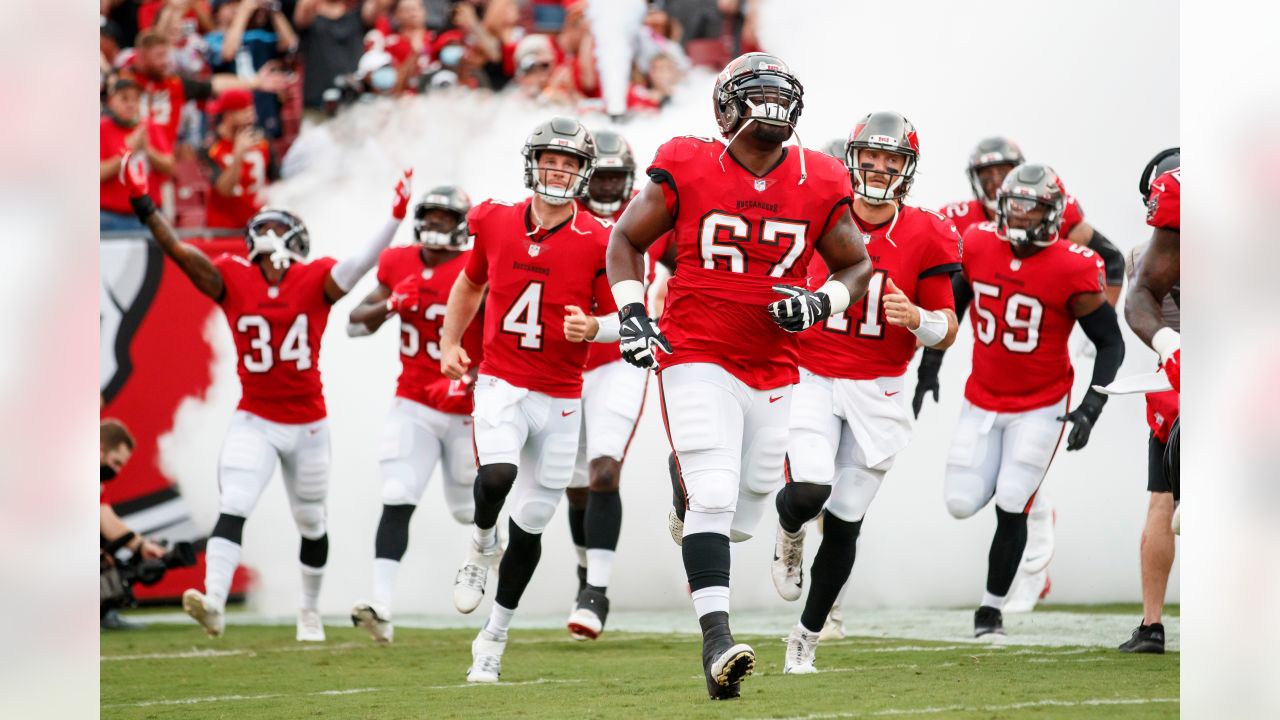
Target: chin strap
(803,171)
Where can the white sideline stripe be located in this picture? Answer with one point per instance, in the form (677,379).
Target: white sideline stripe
(207,653)
(989,708)
(351,691)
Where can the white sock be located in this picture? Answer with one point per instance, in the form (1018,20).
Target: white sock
(599,567)
(221,556)
(499,621)
(995,601)
(384,581)
(311,579)
(711,599)
(486,538)
(583,560)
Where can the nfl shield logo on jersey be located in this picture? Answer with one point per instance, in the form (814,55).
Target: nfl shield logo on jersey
(534,250)
(760,185)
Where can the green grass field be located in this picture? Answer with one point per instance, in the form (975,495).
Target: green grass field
(259,671)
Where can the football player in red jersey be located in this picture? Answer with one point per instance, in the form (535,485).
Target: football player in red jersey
(745,217)
(1028,289)
(1153,313)
(613,395)
(541,261)
(849,418)
(430,420)
(277,304)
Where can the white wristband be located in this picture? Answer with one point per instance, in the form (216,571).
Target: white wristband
(933,327)
(626,292)
(1166,342)
(609,330)
(839,295)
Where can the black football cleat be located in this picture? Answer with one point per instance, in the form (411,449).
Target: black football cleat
(582,580)
(724,662)
(988,621)
(1146,639)
(588,618)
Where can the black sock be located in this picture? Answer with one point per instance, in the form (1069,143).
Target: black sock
(578,525)
(831,568)
(800,502)
(604,519)
(518,563)
(393,532)
(314,553)
(1006,551)
(706,560)
(493,482)
(229,527)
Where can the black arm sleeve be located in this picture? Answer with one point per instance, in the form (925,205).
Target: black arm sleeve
(964,294)
(196,89)
(1112,258)
(1103,328)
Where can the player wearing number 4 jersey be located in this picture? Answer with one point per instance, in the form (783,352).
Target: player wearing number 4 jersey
(848,413)
(277,304)
(1028,289)
(745,217)
(430,419)
(542,262)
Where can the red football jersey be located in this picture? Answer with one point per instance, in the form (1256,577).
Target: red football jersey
(967,213)
(532,275)
(1164,204)
(736,236)
(1021,318)
(277,330)
(420,378)
(250,192)
(921,254)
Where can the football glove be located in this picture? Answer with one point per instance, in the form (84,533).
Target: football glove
(1173,370)
(133,175)
(638,338)
(405,296)
(1083,418)
(927,378)
(801,309)
(404,188)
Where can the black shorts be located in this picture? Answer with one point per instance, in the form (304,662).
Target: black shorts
(1157,478)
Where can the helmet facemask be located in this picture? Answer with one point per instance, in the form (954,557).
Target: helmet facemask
(767,96)
(899,182)
(280,236)
(979,191)
(1041,233)
(535,176)
(431,233)
(608,189)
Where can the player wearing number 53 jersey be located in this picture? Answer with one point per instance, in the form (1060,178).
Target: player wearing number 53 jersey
(848,413)
(542,262)
(430,419)
(277,304)
(745,217)
(1028,289)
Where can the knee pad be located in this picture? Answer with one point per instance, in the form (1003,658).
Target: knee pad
(712,492)
(463,515)
(605,473)
(229,527)
(810,458)
(310,520)
(239,491)
(535,508)
(1015,499)
(962,506)
(854,490)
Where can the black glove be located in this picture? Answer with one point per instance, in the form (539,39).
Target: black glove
(927,378)
(638,337)
(1083,418)
(801,310)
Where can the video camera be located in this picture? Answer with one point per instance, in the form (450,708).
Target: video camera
(117,578)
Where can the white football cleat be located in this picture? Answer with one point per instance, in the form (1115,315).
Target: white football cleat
(675,526)
(833,628)
(212,619)
(468,584)
(310,629)
(788,564)
(802,647)
(486,658)
(376,620)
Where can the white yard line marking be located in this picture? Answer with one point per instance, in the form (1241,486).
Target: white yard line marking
(351,691)
(192,653)
(989,708)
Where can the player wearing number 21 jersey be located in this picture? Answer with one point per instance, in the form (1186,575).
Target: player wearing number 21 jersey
(277,304)
(848,413)
(541,260)
(430,419)
(745,215)
(1028,289)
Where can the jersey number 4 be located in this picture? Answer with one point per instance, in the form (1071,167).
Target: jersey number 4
(524,319)
(260,358)
(729,255)
(1023,315)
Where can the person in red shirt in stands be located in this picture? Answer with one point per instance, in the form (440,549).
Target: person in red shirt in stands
(241,160)
(124,132)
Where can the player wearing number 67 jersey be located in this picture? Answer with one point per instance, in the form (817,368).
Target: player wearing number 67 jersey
(746,216)
(277,304)
(848,413)
(430,419)
(542,262)
(1028,289)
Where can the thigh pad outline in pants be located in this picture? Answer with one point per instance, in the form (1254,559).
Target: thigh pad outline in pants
(856,484)
(764,454)
(407,454)
(245,465)
(549,458)
(306,477)
(611,408)
(972,462)
(458,467)
(705,419)
(501,425)
(1030,440)
(814,433)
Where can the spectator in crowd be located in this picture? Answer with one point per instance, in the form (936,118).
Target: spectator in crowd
(183,22)
(252,35)
(458,63)
(124,132)
(495,37)
(377,74)
(574,47)
(241,161)
(409,19)
(123,14)
(163,15)
(332,41)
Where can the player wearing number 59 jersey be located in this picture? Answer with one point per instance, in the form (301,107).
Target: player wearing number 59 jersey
(277,304)
(430,419)
(745,216)
(848,413)
(1028,289)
